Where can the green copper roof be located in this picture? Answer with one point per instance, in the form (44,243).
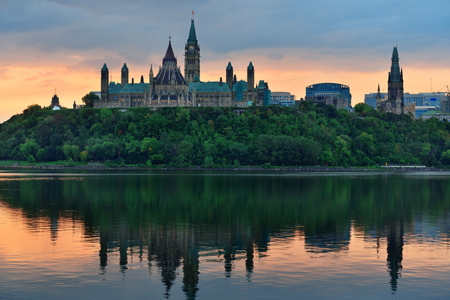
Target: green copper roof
(196,79)
(134,88)
(240,82)
(114,88)
(261,85)
(229,66)
(192,36)
(105,68)
(209,87)
(124,67)
(250,66)
(435,112)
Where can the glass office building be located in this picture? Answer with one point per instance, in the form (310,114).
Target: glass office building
(329,93)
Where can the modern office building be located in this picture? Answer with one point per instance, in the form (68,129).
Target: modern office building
(330,93)
(282,99)
(420,110)
(371,99)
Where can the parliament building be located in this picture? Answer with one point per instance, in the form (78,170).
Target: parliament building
(170,88)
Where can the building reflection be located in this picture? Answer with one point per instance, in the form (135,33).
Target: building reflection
(170,248)
(171,228)
(394,252)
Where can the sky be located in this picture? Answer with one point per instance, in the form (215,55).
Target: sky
(63,44)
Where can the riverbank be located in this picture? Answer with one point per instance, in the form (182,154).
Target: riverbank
(248,168)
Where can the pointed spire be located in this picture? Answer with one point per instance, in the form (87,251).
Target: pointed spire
(250,66)
(192,36)
(170,57)
(395,52)
(105,68)
(124,67)
(378,88)
(151,70)
(229,66)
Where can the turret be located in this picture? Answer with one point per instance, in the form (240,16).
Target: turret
(250,77)
(124,80)
(230,75)
(104,82)
(150,76)
(378,97)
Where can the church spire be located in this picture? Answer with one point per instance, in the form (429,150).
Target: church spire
(395,75)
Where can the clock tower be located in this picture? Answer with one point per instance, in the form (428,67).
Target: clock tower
(192,56)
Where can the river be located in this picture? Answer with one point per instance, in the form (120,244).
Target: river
(222,235)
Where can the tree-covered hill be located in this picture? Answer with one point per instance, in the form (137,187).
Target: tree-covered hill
(212,136)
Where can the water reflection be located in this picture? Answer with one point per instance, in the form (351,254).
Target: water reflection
(171,222)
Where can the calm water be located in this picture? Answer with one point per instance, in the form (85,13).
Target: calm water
(224,235)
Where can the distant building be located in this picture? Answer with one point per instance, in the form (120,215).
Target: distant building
(430,100)
(371,99)
(170,88)
(282,99)
(439,114)
(410,108)
(330,93)
(55,101)
(395,102)
(420,110)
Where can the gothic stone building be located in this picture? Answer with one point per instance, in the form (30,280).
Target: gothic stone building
(395,102)
(171,88)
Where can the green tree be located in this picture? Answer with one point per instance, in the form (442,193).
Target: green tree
(209,162)
(31,159)
(89,99)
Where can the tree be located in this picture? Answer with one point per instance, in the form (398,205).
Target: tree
(31,159)
(445,157)
(89,99)
(209,162)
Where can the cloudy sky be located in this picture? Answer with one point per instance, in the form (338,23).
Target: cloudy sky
(62,44)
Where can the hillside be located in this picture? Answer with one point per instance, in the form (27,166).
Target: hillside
(211,136)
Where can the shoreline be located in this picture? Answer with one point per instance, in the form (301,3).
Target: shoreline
(280,169)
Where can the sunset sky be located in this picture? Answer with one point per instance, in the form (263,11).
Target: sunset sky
(62,44)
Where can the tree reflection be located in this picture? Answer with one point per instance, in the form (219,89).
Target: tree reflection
(171,219)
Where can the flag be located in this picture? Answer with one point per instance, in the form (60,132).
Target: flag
(192,12)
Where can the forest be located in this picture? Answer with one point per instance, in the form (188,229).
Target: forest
(269,136)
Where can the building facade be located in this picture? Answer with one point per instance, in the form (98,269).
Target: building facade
(282,99)
(426,101)
(170,88)
(331,93)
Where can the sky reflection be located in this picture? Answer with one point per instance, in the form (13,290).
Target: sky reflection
(53,246)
